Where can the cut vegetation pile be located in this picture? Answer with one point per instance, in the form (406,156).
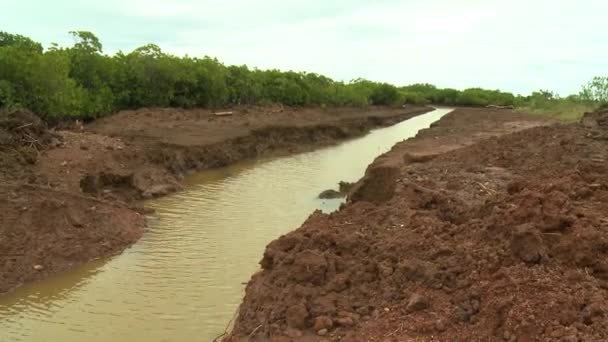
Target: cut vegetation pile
(22,137)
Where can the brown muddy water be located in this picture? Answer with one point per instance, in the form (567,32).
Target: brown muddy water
(184,280)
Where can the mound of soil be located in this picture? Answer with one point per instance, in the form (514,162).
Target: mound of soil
(201,127)
(597,119)
(43,231)
(502,240)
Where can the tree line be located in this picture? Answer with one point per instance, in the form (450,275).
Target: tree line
(82,82)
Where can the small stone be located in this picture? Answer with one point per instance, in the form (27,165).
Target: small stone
(475,305)
(440,325)
(343,313)
(557,333)
(417,302)
(322,332)
(323,322)
(364,310)
(293,333)
(376,313)
(38,267)
(385,269)
(592,311)
(345,321)
(330,194)
(570,338)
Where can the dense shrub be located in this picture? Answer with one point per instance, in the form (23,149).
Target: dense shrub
(384,94)
(82,82)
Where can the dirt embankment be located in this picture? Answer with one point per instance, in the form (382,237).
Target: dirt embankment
(68,197)
(503,239)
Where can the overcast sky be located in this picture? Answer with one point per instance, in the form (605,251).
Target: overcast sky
(515,45)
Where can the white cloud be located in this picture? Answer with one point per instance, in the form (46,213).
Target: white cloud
(158,8)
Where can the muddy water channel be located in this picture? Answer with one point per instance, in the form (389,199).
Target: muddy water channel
(185,279)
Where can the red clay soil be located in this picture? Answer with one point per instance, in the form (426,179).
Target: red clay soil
(501,240)
(135,155)
(44,231)
(198,127)
(68,197)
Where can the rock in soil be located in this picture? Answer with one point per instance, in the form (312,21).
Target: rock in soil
(330,194)
(296,316)
(417,302)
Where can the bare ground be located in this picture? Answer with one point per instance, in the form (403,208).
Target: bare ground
(68,197)
(489,226)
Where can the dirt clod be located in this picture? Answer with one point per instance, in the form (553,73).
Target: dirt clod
(345,321)
(296,316)
(527,245)
(323,322)
(417,302)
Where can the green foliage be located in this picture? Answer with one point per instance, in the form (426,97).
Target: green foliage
(7,96)
(39,81)
(86,41)
(412,97)
(19,41)
(384,94)
(80,81)
(549,104)
(423,93)
(596,90)
(243,87)
(93,72)
(483,97)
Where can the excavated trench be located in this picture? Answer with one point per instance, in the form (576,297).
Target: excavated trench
(184,279)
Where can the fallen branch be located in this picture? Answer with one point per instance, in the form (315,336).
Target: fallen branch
(486,189)
(254,330)
(23,126)
(226,328)
(400,329)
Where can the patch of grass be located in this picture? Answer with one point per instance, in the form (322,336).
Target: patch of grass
(563,110)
